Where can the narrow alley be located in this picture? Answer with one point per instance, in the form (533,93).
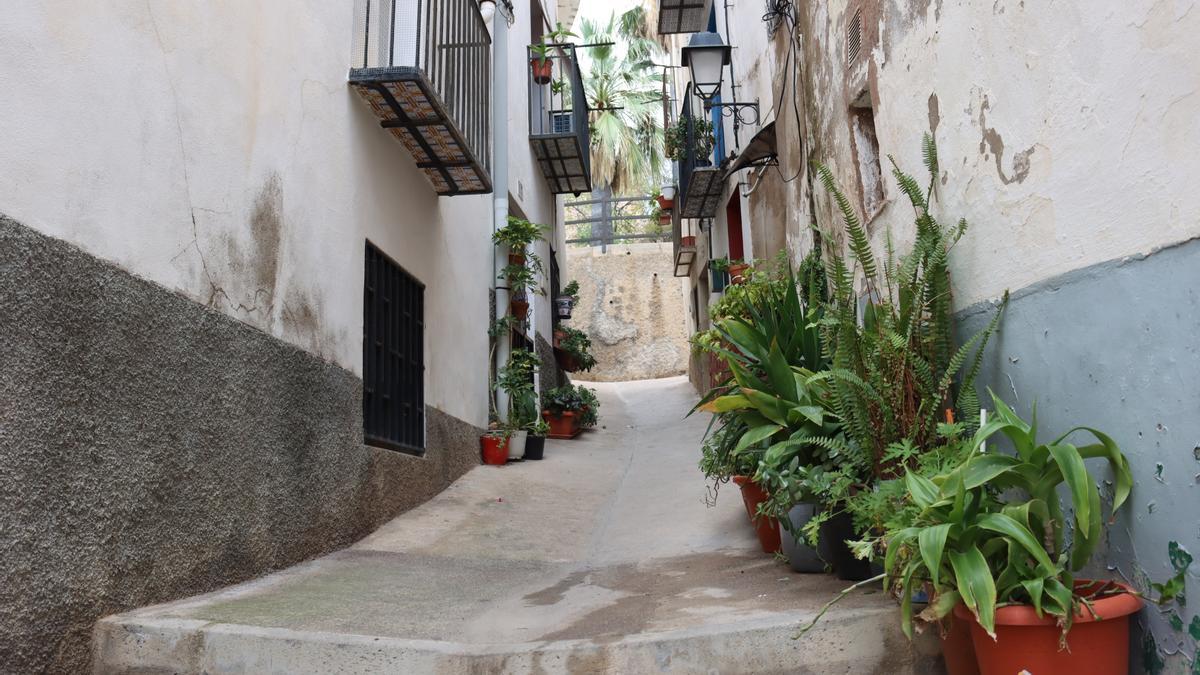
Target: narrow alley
(603,558)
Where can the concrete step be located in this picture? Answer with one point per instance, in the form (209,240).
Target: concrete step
(603,558)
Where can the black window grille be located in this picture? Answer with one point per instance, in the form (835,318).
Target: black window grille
(393,356)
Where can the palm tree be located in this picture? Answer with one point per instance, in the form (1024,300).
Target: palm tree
(624,89)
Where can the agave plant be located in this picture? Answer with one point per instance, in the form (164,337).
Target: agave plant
(975,543)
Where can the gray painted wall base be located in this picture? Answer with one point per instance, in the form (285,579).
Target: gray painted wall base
(1117,347)
(151,448)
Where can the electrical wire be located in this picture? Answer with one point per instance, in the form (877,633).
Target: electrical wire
(779,13)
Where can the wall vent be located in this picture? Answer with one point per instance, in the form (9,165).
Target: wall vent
(854,37)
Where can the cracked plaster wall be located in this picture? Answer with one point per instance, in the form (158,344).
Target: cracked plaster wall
(633,310)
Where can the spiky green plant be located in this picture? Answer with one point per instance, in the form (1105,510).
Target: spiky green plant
(893,374)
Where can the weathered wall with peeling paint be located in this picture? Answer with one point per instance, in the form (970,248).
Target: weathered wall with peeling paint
(1067,138)
(633,310)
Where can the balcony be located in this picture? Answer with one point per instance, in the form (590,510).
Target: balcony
(683,16)
(558,120)
(683,241)
(701,184)
(424,68)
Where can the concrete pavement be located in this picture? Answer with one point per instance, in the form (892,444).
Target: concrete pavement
(603,558)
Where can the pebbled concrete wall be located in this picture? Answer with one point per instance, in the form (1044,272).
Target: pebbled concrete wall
(153,448)
(1114,346)
(633,309)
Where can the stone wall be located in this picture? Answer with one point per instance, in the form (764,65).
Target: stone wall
(153,448)
(633,309)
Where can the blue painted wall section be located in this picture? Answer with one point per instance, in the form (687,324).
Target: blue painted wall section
(1117,346)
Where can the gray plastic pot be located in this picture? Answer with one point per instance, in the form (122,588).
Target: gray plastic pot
(801,556)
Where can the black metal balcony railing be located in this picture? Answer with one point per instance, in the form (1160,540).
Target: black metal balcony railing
(683,16)
(558,120)
(424,68)
(701,185)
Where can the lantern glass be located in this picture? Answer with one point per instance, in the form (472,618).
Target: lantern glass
(706,56)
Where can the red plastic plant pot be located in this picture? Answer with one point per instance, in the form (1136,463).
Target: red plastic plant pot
(495,449)
(737,273)
(1097,644)
(767,529)
(543,70)
(688,241)
(520,309)
(957,648)
(564,425)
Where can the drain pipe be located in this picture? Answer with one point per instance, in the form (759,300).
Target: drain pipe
(501,15)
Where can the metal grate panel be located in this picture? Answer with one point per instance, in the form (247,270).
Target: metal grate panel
(683,16)
(854,37)
(393,355)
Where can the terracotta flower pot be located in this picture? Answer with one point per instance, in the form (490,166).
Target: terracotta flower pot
(568,362)
(1097,644)
(563,425)
(664,219)
(957,648)
(664,203)
(516,258)
(737,272)
(494,448)
(767,529)
(543,70)
(688,241)
(519,308)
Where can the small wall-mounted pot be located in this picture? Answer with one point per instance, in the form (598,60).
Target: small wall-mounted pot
(688,241)
(737,273)
(665,203)
(542,69)
(519,308)
(664,219)
(563,307)
(516,259)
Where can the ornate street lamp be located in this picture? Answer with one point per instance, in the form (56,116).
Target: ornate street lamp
(706,56)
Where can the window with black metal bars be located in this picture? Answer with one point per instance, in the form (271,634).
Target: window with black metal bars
(393,356)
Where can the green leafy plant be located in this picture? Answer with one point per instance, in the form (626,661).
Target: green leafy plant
(990,531)
(676,139)
(562,399)
(540,428)
(518,234)
(521,279)
(577,343)
(719,264)
(550,40)
(591,407)
(571,290)
(516,378)
(894,372)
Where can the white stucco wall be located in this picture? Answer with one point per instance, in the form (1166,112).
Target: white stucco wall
(215,148)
